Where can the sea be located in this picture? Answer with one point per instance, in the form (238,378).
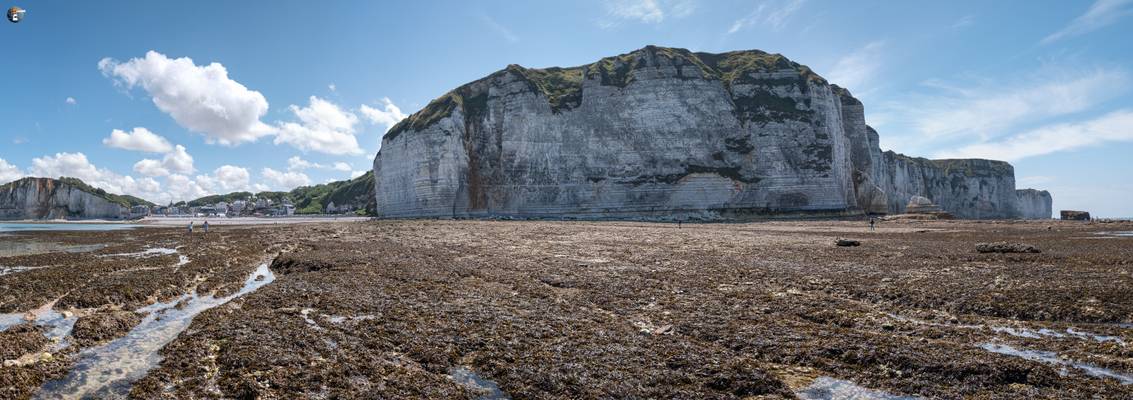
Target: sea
(32,226)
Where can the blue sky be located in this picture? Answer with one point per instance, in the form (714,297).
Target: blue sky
(171,100)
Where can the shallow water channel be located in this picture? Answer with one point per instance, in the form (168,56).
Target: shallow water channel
(109,370)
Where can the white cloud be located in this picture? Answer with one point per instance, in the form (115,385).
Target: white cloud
(355,174)
(139,139)
(182,187)
(503,31)
(178,161)
(9,172)
(856,70)
(1114,127)
(646,11)
(285,180)
(71,101)
(332,87)
(1101,14)
(295,163)
(226,179)
(388,116)
(77,165)
(992,109)
(322,127)
(773,15)
(200,98)
(149,167)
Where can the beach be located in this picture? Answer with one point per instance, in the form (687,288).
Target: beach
(538,309)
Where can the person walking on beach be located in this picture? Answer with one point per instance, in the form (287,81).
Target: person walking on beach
(190,227)
(206,226)
(871,224)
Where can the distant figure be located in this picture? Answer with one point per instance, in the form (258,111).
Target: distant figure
(678,224)
(206,226)
(190,227)
(871,223)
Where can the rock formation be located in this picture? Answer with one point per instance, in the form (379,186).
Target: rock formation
(1034,204)
(664,133)
(45,198)
(1071,215)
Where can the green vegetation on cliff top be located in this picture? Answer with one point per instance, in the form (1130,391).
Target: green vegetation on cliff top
(562,87)
(310,199)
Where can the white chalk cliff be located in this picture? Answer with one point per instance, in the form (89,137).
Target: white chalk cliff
(45,198)
(664,133)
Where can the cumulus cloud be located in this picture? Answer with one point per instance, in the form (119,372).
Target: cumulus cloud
(355,174)
(77,165)
(202,99)
(139,139)
(149,167)
(9,172)
(1101,14)
(182,187)
(285,180)
(388,116)
(71,101)
(772,14)
(1114,127)
(341,166)
(226,179)
(323,127)
(178,161)
(857,70)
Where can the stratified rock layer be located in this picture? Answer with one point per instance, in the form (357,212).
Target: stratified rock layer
(1034,204)
(44,198)
(664,133)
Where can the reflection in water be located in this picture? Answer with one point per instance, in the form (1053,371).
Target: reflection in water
(35,226)
(488,390)
(827,388)
(109,370)
(1051,357)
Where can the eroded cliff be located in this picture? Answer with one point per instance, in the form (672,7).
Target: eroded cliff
(663,133)
(45,198)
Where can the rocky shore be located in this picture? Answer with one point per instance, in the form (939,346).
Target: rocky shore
(485,309)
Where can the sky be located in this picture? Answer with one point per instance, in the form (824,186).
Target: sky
(174,100)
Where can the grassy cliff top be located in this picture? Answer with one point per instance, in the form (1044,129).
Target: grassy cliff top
(971,167)
(308,199)
(120,199)
(562,86)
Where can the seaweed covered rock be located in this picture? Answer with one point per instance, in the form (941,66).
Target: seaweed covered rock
(1005,247)
(104,326)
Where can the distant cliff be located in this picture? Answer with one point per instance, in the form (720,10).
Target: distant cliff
(1034,204)
(664,133)
(46,198)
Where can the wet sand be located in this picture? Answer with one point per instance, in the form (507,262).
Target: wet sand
(494,309)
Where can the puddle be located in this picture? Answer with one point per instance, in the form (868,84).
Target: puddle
(1118,234)
(827,388)
(1051,357)
(12,270)
(1025,332)
(151,252)
(24,248)
(58,325)
(488,390)
(109,370)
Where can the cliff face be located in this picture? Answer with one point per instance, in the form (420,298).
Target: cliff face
(1034,204)
(44,198)
(663,133)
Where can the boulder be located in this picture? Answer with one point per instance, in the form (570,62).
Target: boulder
(847,243)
